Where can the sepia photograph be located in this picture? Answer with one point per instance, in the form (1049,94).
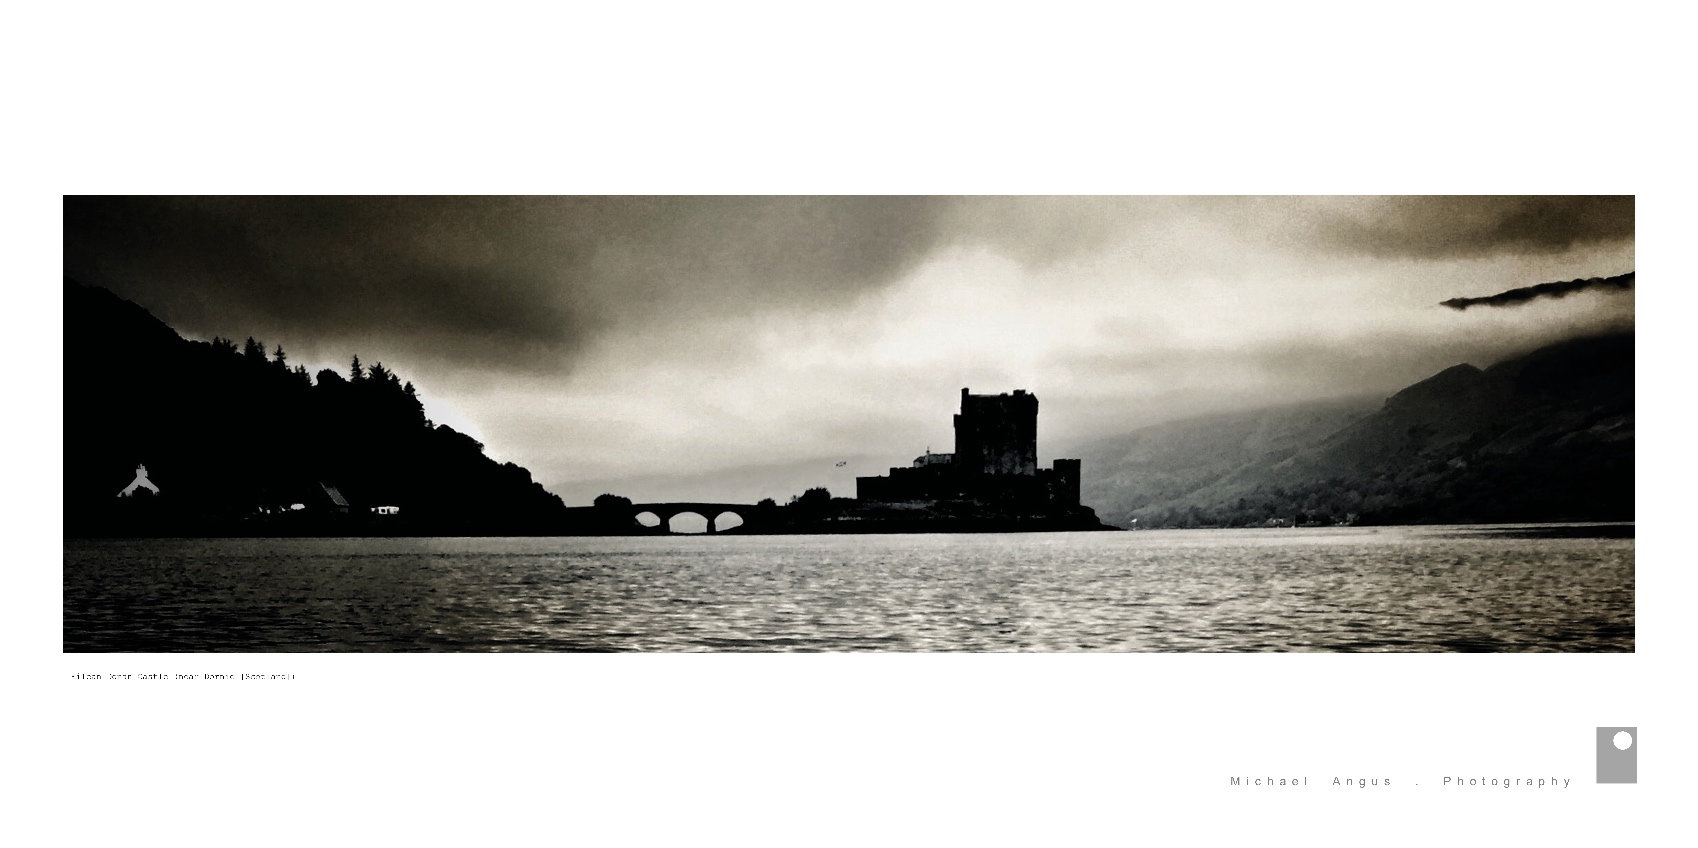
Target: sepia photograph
(921,424)
(807,423)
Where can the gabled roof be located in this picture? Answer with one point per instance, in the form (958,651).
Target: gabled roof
(141,482)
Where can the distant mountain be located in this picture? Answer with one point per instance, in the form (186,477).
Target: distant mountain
(1543,437)
(234,439)
(1125,475)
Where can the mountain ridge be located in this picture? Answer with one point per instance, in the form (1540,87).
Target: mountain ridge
(1545,436)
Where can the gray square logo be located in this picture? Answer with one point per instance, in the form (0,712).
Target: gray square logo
(1618,755)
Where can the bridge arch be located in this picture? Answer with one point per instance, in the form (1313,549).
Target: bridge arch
(710,517)
(686,522)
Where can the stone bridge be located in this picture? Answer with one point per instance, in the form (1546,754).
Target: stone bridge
(711,511)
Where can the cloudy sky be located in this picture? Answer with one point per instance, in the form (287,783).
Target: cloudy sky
(700,347)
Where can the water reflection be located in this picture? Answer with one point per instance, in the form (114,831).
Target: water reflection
(1334,589)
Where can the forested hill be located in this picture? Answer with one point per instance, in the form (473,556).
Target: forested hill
(234,437)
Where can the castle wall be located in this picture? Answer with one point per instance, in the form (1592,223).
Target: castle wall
(922,483)
(1067,482)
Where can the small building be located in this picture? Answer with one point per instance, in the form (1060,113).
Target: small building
(386,510)
(136,485)
(337,502)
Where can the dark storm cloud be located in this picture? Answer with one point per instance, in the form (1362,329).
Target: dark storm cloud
(1466,227)
(525,283)
(1516,297)
(507,281)
(760,251)
(322,267)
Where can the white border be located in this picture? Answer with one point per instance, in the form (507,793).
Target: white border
(921,98)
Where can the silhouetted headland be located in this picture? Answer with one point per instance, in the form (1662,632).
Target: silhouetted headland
(166,436)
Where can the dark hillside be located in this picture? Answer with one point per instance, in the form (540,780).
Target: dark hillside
(234,438)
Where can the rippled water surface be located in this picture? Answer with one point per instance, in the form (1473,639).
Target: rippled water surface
(1335,589)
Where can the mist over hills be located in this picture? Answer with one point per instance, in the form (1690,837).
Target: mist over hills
(1160,465)
(1547,436)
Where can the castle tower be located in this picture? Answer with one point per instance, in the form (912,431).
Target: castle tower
(997,434)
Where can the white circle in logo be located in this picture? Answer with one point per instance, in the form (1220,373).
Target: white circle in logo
(1623,740)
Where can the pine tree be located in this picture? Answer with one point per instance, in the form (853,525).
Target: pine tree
(357,372)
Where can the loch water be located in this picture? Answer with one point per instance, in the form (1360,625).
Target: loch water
(1497,588)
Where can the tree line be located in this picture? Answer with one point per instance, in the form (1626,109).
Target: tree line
(233,433)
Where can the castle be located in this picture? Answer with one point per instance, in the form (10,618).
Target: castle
(995,462)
